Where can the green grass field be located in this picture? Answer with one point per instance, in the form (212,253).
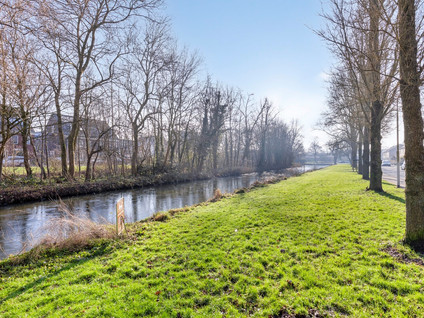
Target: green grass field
(314,245)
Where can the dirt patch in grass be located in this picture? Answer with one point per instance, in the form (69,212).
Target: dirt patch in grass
(312,313)
(402,257)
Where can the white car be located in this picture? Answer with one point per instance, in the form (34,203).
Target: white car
(386,163)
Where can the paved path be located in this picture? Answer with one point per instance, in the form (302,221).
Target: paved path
(390,175)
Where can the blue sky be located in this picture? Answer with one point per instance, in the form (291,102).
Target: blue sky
(265,47)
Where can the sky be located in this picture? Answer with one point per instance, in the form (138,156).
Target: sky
(264,47)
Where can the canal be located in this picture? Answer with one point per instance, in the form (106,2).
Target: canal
(21,225)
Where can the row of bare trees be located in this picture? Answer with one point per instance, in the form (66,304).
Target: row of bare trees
(376,43)
(94,81)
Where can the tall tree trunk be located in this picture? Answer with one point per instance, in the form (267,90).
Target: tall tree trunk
(246,151)
(61,137)
(413,123)
(261,161)
(376,173)
(46,153)
(227,153)
(72,139)
(215,154)
(134,157)
(1,161)
(183,146)
(93,170)
(360,163)
(25,133)
(88,173)
(354,155)
(376,107)
(366,154)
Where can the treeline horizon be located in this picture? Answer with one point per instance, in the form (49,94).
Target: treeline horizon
(124,93)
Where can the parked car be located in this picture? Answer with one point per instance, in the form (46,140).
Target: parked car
(386,163)
(14,161)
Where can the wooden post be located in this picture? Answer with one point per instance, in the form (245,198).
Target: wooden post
(120,216)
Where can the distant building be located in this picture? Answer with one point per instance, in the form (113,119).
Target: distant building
(390,154)
(99,135)
(14,147)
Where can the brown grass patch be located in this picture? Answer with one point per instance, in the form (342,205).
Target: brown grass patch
(216,196)
(264,183)
(172,212)
(160,217)
(72,232)
(68,233)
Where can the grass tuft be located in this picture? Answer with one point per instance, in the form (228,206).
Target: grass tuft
(216,196)
(160,217)
(69,233)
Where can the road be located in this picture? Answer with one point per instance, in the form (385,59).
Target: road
(390,175)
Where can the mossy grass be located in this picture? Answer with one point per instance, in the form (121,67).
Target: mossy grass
(317,245)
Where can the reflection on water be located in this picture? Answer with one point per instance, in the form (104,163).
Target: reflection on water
(23,223)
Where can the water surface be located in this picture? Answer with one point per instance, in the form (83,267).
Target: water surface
(24,223)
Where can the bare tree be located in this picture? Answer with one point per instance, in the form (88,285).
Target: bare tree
(50,63)
(413,122)
(181,73)
(213,115)
(90,34)
(250,121)
(266,117)
(359,36)
(9,114)
(95,129)
(140,81)
(28,86)
(315,148)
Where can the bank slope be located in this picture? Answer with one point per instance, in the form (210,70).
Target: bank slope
(316,245)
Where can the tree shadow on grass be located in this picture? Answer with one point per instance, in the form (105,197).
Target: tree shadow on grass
(72,263)
(418,247)
(391,196)
(406,258)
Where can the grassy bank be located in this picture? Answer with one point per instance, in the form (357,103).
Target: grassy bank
(317,245)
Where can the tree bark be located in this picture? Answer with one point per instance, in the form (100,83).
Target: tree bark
(88,174)
(215,154)
(72,139)
(61,137)
(25,134)
(376,173)
(354,154)
(366,155)
(413,123)
(134,157)
(360,163)
(376,107)
(1,162)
